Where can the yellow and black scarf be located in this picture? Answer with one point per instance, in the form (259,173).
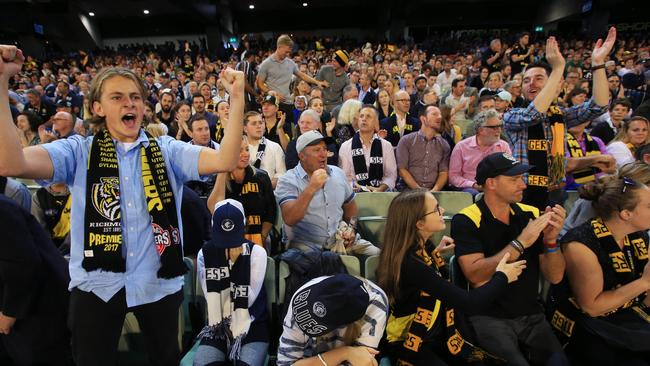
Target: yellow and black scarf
(103,226)
(428,311)
(620,327)
(575,150)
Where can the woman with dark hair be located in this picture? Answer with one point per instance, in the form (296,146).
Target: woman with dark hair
(448,129)
(28,123)
(179,128)
(383,104)
(422,301)
(481,80)
(602,305)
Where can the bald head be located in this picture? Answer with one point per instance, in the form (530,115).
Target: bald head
(402,101)
(63,123)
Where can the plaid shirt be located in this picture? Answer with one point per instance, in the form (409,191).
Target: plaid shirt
(517,120)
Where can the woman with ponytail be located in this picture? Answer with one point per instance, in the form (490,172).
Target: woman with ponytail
(601,306)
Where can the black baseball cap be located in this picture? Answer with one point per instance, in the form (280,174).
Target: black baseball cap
(497,164)
(270,99)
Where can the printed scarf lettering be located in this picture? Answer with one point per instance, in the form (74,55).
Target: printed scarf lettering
(363,174)
(427,313)
(227,287)
(575,150)
(103,226)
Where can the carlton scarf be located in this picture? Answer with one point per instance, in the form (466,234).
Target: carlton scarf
(261,148)
(103,226)
(228,286)
(428,310)
(575,150)
(362,174)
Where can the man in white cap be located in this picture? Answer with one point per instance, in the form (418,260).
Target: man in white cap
(314,197)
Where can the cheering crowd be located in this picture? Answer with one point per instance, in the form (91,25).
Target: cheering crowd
(128,148)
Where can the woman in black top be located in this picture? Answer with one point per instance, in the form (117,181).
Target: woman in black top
(419,329)
(608,277)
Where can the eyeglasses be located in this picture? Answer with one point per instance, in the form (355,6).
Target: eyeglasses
(628,182)
(495,127)
(402,100)
(435,210)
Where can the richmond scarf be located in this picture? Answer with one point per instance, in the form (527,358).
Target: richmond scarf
(362,174)
(429,308)
(103,225)
(228,286)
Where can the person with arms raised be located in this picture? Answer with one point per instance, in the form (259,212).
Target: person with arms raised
(126,252)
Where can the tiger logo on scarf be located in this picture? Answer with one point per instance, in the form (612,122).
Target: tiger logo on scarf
(106,197)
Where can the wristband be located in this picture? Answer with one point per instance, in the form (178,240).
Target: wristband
(596,67)
(552,250)
(321,360)
(550,245)
(518,246)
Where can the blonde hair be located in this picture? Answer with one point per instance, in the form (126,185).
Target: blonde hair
(348,110)
(97,87)
(622,133)
(155,129)
(284,40)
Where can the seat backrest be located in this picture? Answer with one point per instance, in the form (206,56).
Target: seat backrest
(572,197)
(372,262)
(352,264)
(270,284)
(374,203)
(453,202)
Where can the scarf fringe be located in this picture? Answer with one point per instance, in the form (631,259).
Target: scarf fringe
(222,331)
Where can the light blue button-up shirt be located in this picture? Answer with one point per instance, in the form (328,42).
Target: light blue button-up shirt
(70,160)
(318,227)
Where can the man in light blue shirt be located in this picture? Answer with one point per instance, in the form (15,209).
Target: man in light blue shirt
(314,197)
(101,297)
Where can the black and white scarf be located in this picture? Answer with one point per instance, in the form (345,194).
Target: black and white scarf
(260,153)
(103,225)
(228,287)
(362,174)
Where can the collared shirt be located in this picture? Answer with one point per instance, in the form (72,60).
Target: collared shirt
(213,144)
(390,165)
(70,160)
(277,75)
(465,158)
(424,159)
(318,227)
(273,159)
(517,121)
(452,102)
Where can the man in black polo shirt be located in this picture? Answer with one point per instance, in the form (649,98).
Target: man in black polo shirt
(522,54)
(512,327)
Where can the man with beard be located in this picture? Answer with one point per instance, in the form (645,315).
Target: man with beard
(166,104)
(423,156)
(470,151)
(537,132)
